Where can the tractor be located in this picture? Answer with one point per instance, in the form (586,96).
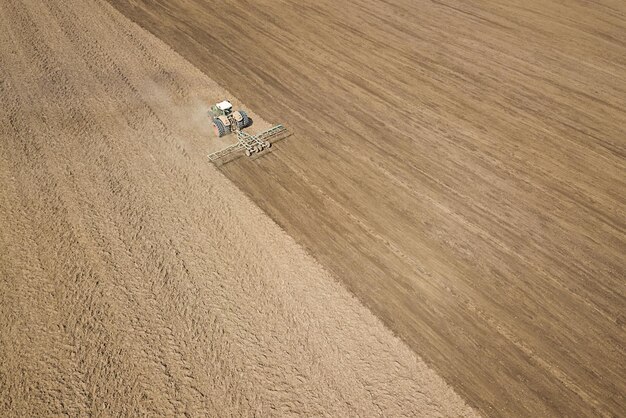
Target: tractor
(225,120)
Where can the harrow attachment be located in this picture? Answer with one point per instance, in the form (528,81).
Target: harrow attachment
(249,144)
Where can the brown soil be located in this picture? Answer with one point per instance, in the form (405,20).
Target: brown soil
(461,165)
(134,277)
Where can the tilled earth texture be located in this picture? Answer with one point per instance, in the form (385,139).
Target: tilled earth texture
(135,279)
(459,164)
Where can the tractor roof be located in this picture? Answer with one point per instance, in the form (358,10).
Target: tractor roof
(225,105)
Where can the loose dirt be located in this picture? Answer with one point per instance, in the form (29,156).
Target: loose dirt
(134,277)
(459,164)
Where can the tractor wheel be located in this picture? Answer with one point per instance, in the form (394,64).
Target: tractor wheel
(245,120)
(268,144)
(219,128)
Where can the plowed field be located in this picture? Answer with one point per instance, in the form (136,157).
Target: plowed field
(135,279)
(460,165)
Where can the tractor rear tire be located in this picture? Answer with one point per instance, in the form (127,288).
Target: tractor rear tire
(219,128)
(268,144)
(245,120)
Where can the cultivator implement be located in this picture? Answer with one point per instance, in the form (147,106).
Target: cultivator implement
(251,144)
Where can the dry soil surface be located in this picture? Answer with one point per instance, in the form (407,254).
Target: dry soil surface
(460,164)
(134,277)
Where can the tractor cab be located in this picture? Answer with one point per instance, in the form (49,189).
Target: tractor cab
(223,108)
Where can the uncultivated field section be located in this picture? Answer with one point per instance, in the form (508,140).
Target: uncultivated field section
(461,165)
(135,279)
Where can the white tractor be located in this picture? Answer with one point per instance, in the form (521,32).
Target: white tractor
(225,120)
